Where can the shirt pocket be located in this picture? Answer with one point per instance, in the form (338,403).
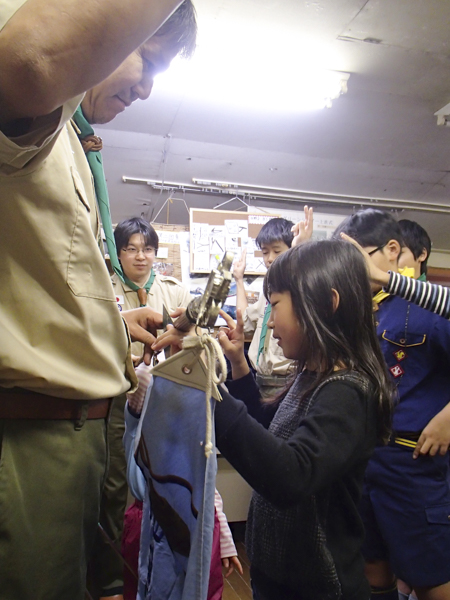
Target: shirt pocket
(399,339)
(87,274)
(439,515)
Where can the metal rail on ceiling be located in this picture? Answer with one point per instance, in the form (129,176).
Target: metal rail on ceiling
(255,192)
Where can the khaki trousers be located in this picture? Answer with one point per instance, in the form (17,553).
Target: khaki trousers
(51,478)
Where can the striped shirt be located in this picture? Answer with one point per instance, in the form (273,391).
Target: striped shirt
(431,296)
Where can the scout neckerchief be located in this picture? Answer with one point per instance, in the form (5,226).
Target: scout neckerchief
(92,145)
(381,295)
(421,277)
(262,339)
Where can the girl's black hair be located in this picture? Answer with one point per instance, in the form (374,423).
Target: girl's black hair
(125,229)
(345,337)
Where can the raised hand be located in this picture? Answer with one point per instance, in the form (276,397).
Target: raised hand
(239,266)
(303,230)
(231,338)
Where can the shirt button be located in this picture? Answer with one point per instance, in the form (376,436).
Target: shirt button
(403,341)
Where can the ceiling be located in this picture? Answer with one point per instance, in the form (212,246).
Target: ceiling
(378,141)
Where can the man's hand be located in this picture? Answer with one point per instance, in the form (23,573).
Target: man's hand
(376,275)
(435,438)
(303,230)
(231,338)
(172,337)
(239,266)
(142,324)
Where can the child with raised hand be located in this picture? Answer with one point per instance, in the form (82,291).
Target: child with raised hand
(272,368)
(305,454)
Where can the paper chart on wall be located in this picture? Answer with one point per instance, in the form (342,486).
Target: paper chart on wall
(217,244)
(201,258)
(237,227)
(232,243)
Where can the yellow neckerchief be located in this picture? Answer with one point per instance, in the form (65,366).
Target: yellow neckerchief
(381,295)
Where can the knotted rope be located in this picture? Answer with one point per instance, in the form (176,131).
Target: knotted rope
(213,352)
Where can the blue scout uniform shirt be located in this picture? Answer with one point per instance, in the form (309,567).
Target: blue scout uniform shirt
(416,347)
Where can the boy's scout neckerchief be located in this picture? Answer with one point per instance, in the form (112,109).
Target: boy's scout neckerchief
(262,339)
(381,295)
(92,145)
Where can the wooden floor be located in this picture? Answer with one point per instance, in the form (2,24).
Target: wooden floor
(237,587)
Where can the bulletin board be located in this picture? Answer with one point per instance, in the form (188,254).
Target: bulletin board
(214,232)
(168,262)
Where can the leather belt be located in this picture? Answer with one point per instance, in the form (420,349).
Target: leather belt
(404,438)
(32,405)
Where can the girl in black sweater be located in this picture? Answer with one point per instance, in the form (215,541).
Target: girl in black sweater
(305,454)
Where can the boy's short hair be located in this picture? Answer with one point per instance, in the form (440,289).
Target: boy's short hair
(125,229)
(416,239)
(275,230)
(370,227)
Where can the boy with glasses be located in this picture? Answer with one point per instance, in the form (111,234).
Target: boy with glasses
(406,499)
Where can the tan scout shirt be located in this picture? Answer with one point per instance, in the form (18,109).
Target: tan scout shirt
(165,291)
(272,360)
(60,331)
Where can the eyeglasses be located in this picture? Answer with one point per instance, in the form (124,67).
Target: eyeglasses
(376,250)
(132,251)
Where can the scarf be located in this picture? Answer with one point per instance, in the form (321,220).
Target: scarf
(92,145)
(262,339)
(381,295)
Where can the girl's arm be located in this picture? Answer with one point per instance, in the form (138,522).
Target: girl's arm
(338,432)
(228,552)
(243,384)
(430,296)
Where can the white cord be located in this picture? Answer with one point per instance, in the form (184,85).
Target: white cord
(213,352)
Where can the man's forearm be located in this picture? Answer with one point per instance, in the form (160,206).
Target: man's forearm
(53,50)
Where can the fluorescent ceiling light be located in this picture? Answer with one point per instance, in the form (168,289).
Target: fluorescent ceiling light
(252,73)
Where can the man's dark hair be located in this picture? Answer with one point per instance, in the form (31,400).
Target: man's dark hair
(275,230)
(370,227)
(125,229)
(181,26)
(416,239)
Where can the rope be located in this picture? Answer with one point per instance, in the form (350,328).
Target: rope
(213,352)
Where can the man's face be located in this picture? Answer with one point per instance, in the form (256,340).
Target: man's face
(137,258)
(271,251)
(131,81)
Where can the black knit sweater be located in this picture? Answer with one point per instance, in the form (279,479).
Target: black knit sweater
(326,455)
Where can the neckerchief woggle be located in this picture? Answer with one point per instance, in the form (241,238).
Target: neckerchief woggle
(95,161)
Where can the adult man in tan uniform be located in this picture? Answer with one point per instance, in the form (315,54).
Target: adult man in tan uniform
(137,245)
(64,349)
